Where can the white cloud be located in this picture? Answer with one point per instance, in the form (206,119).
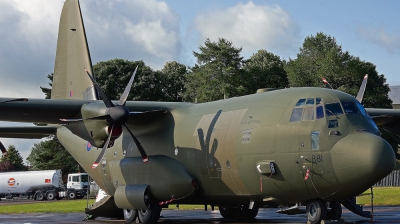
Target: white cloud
(252,27)
(134,30)
(390,42)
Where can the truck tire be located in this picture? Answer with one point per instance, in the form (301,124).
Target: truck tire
(50,195)
(71,195)
(39,196)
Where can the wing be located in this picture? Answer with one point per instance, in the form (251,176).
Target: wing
(388,119)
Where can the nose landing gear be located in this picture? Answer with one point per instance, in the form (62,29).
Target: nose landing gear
(317,210)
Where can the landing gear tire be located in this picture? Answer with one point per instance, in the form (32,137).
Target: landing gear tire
(316,211)
(150,215)
(39,196)
(227,213)
(236,213)
(335,213)
(50,195)
(71,195)
(130,215)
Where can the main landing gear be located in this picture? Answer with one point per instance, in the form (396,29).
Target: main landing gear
(318,210)
(238,213)
(151,215)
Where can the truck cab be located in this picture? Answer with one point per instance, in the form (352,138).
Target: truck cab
(77,185)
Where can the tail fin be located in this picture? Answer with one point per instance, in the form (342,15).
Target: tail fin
(72,56)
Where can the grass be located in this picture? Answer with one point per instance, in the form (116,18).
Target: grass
(383,196)
(62,206)
(388,196)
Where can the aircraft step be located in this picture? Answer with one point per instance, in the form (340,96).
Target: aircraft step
(351,205)
(294,210)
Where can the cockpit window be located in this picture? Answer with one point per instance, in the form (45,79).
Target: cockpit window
(333,109)
(308,114)
(310,102)
(320,112)
(318,101)
(300,103)
(296,114)
(361,108)
(350,108)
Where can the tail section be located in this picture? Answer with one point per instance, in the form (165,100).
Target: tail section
(72,57)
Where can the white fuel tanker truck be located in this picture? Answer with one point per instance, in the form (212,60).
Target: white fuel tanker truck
(41,185)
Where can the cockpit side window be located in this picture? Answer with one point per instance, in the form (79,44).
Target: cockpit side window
(333,109)
(350,108)
(361,108)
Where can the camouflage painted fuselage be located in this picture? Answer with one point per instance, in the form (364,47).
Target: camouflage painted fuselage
(220,144)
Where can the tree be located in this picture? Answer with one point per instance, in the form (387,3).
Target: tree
(264,70)
(45,90)
(13,160)
(321,57)
(113,76)
(218,72)
(172,78)
(51,155)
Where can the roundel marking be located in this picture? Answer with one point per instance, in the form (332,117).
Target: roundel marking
(88,146)
(11,181)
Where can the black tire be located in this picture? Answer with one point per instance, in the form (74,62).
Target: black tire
(130,215)
(39,196)
(250,213)
(71,195)
(50,195)
(316,211)
(150,215)
(335,213)
(227,213)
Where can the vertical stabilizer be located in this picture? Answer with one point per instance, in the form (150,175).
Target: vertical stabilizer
(70,80)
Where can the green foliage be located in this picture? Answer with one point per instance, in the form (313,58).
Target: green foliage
(113,76)
(383,196)
(172,78)
(51,155)
(264,70)
(217,74)
(45,90)
(12,161)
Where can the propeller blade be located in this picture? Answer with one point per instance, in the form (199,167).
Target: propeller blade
(139,146)
(104,117)
(327,85)
(12,100)
(103,95)
(124,96)
(103,150)
(3,149)
(360,93)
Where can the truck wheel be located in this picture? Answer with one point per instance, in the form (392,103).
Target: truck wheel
(71,195)
(39,196)
(130,215)
(50,195)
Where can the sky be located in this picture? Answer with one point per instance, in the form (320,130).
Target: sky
(157,31)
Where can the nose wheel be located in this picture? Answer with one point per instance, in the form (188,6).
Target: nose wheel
(316,211)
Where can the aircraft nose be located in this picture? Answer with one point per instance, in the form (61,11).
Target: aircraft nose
(360,160)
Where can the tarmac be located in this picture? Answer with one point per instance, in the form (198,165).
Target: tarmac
(381,215)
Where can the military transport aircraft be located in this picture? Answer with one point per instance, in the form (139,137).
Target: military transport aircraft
(284,148)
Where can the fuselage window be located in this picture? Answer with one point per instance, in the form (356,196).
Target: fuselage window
(315,140)
(350,108)
(333,109)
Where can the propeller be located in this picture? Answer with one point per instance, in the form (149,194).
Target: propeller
(3,149)
(360,93)
(116,116)
(327,85)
